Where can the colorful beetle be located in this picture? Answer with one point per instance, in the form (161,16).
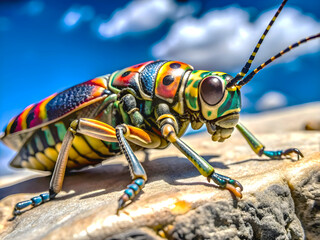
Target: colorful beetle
(148,105)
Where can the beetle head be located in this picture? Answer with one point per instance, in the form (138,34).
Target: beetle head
(213,103)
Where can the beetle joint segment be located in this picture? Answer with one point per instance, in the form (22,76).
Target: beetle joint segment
(261,151)
(74,126)
(124,128)
(133,110)
(169,133)
(167,119)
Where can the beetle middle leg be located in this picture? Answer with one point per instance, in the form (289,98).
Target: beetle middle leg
(137,172)
(123,133)
(259,148)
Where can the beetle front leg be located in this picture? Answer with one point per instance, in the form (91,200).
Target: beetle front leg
(259,148)
(169,132)
(201,164)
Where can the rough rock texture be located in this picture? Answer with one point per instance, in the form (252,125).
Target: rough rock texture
(269,214)
(281,198)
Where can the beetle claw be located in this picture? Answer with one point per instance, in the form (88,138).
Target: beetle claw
(238,184)
(225,182)
(235,190)
(289,151)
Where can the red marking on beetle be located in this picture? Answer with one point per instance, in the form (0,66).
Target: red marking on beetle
(98,81)
(141,65)
(22,119)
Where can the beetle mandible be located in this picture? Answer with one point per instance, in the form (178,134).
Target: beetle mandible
(148,105)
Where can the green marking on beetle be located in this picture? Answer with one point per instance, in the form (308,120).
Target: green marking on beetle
(125,116)
(233,101)
(204,74)
(61,130)
(189,82)
(30,149)
(148,107)
(115,146)
(196,83)
(38,143)
(49,137)
(192,101)
(209,113)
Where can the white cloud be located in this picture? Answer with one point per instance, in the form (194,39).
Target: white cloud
(143,15)
(224,39)
(271,100)
(75,15)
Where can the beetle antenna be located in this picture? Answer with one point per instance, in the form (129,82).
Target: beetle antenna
(247,66)
(263,65)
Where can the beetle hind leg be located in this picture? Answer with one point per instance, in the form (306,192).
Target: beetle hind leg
(35,201)
(56,179)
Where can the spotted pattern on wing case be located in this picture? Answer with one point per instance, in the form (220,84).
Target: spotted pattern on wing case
(128,77)
(169,78)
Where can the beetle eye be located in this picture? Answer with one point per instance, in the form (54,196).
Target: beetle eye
(211,90)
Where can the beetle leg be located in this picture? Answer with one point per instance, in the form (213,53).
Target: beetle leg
(56,179)
(121,134)
(128,106)
(137,172)
(259,148)
(168,131)
(105,132)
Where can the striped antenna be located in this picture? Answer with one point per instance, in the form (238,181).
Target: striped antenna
(263,65)
(247,66)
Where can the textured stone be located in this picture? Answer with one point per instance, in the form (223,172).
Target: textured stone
(281,198)
(278,212)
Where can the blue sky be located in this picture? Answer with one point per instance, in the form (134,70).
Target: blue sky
(47,46)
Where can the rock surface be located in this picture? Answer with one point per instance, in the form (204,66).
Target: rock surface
(281,198)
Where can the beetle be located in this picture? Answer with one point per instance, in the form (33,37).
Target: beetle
(148,105)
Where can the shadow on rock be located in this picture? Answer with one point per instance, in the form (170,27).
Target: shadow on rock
(260,160)
(112,177)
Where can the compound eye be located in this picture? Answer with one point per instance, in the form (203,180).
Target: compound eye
(211,90)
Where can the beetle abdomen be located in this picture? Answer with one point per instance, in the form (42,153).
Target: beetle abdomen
(41,150)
